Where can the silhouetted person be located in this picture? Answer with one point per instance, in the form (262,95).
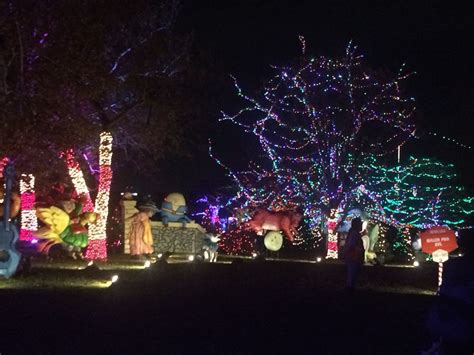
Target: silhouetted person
(452,317)
(354,253)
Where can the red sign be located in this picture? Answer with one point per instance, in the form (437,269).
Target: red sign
(438,238)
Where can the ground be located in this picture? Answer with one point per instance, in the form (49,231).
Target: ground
(242,307)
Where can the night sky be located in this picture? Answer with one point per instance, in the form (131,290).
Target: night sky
(434,41)
(244,37)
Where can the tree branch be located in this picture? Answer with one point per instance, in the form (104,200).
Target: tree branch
(121,115)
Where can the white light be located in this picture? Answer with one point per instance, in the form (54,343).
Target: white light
(90,263)
(114,278)
(159,255)
(147,263)
(416,263)
(318,259)
(460,254)
(191,258)
(254,255)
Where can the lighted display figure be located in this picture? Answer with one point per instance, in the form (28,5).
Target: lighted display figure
(345,225)
(173,209)
(65,225)
(140,237)
(286,221)
(14,204)
(210,247)
(273,241)
(9,256)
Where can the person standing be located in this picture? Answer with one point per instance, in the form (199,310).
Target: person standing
(354,253)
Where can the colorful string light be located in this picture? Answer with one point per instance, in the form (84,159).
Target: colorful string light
(3,162)
(318,122)
(29,222)
(420,193)
(310,122)
(77,177)
(97,248)
(332,247)
(450,140)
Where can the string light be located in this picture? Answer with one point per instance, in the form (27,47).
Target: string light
(450,140)
(29,222)
(380,247)
(332,247)
(77,178)
(3,162)
(236,239)
(97,247)
(420,193)
(309,123)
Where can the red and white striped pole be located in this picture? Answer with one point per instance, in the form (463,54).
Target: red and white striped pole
(440,275)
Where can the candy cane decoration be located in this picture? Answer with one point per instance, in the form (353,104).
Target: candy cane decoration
(440,275)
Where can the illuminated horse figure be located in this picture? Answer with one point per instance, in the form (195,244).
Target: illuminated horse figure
(9,257)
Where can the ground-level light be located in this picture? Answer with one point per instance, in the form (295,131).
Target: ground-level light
(318,259)
(254,255)
(191,257)
(147,264)
(416,263)
(159,255)
(114,278)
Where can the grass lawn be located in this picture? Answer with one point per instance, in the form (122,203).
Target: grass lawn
(75,274)
(243,307)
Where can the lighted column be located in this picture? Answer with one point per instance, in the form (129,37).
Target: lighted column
(29,222)
(332,252)
(97,248)
(77,178)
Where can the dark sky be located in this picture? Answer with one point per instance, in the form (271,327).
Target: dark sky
(432,38)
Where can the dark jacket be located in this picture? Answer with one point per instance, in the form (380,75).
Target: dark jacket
(354,251)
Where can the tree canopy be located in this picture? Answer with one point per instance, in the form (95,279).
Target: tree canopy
(72,69)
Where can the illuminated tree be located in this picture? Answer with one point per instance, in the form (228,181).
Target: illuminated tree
(74,72)
(420,193)
(315,120)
